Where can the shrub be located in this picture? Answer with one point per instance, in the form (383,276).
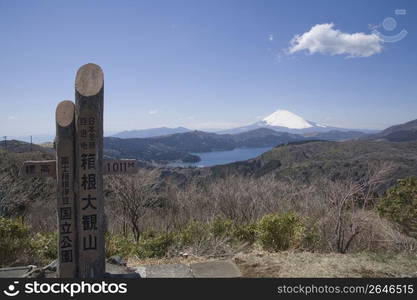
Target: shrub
(43,247)
(192,233)
(245,232)
(281,232)
(221,227)
(117,244)
(400,205)
(14,238)
(311,240)
(154,244)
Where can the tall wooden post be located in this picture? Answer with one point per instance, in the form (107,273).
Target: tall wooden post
(79,168)
(65,154)
(89,85)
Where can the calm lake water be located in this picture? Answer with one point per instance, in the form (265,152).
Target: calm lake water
(224,157)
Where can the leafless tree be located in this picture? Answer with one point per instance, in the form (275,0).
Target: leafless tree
(345,198)
(19,194)
(132,198)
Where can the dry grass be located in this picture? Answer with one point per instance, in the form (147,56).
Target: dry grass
(260,264)
(332,265)
(341,213)
(135,261)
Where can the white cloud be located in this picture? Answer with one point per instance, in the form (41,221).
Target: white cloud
(271,38)
(153,112)
(323,38)
(12,118)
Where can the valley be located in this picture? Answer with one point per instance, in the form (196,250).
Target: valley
(219,208)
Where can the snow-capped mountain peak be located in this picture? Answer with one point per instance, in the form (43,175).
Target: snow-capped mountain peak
(285,118)
(285,121)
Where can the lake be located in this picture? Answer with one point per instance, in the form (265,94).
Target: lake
(209,159)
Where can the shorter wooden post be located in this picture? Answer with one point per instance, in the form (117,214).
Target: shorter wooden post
(67,224)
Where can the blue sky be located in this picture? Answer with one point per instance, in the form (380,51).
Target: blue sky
(209,64)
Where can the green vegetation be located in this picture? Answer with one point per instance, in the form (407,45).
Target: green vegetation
(325,203)
(400,205)
(13,237)
(153,244)
(272,232)
(193,232)
(307,161)
(44,246)
(281,232)
(19,246)
(246,233)
(118,244)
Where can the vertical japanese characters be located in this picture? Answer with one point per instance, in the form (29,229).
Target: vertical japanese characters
(67,232)
(89,160)
(78,170)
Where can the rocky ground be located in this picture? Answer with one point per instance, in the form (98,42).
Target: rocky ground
(255,264)
(306,264)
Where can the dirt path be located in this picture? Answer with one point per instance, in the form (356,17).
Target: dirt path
(306,264)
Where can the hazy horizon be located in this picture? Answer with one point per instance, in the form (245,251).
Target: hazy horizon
(45,137)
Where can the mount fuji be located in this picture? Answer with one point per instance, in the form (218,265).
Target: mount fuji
(286,121)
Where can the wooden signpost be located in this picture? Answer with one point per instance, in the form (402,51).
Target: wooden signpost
(47,168)
(79,168)
(65,161)
(89,85)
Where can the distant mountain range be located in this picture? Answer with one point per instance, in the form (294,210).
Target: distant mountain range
(179,146)
(286,121)
(335,135)
(151,132)
(36,139)
(397,133)
(182,144)
(185,146)
(23,147)
(280,120)
(308,160)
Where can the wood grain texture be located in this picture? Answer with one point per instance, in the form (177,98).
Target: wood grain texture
(66,210)
(89,90)
(65,114)
(89,80)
